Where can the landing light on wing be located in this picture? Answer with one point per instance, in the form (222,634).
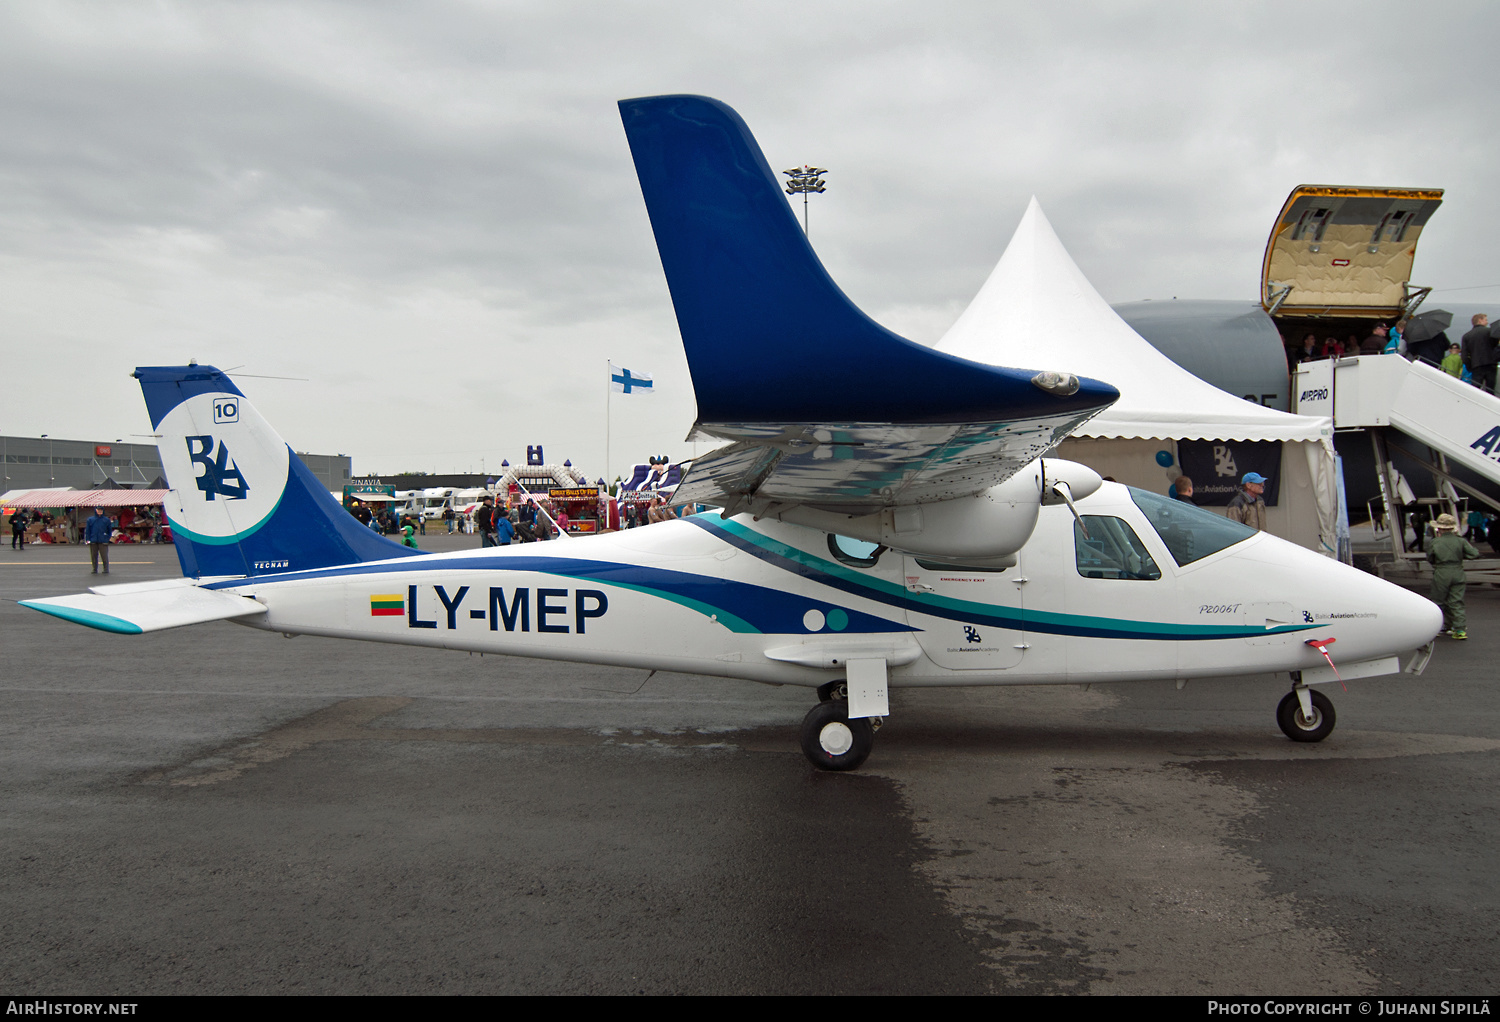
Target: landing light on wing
(1061,384)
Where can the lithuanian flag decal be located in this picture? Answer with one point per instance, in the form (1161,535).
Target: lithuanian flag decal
(387,605)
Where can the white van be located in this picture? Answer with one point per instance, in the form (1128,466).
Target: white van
(435,499)
(408,503)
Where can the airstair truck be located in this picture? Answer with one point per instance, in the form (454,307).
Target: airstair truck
(1391,399)
(1339,260)
(1337,263)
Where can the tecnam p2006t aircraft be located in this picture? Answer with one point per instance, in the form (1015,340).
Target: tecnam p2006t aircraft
(888,516)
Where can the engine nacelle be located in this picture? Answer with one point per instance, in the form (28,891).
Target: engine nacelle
(1081,481)
(985,527)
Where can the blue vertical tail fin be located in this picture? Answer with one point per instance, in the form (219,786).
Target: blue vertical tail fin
(241,501)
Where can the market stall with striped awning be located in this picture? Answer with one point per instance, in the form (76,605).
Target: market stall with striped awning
(87,498)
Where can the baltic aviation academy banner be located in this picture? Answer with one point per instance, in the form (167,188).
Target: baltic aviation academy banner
(1217,466)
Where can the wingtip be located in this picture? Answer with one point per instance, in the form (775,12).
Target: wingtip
(88,618)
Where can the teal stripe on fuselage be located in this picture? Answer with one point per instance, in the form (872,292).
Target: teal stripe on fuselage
(830,573)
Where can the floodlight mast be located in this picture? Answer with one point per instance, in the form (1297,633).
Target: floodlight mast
(804,179)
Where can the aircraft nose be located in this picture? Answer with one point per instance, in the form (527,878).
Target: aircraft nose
(1411,619)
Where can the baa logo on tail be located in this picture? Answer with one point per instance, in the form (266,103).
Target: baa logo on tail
(221,476)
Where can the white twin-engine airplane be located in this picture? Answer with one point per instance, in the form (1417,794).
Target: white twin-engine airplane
(888,517)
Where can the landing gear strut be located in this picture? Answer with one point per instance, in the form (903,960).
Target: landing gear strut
(831,741)
(1311,724)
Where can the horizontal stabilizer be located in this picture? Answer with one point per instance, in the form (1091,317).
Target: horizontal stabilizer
(149,611)
(128,588)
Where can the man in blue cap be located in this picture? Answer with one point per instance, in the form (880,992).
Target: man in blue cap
(1248,506)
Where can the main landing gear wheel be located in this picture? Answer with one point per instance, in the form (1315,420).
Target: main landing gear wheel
(831,741)
(1306,729)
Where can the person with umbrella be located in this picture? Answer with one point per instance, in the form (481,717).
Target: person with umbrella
(1425,339)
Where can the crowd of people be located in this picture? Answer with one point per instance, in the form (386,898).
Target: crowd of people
(532,520)
(1473,359)
(635,514)
(383,520)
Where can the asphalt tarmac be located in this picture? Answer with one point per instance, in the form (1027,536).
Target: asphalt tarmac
(222,810)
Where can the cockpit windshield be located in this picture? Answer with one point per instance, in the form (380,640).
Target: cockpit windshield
(1189,532)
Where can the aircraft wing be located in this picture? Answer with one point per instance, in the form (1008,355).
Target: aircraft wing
(822,405)
(854,469)
(147,607)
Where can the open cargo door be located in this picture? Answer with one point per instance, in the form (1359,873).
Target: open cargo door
(1346,251)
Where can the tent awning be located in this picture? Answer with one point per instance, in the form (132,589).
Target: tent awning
(88,498)
(1166,426)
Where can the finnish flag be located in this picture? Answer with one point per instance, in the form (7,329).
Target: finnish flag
(623,381)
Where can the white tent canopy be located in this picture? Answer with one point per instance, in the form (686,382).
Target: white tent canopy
(1038,311)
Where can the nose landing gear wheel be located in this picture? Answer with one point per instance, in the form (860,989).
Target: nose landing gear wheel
(831,741)
(1306,729)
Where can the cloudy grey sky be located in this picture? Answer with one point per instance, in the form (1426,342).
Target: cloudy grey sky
(428,210)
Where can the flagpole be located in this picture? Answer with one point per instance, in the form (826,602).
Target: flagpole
(609,389)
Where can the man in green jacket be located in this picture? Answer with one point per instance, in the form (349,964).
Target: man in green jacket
(1447,553)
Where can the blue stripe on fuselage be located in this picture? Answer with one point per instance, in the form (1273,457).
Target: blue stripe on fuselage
(758,608)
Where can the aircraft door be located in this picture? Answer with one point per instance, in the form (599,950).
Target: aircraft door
(1345,251)
(975,618)
(1118,595)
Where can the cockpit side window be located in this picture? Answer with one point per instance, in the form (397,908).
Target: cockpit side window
(1107,547)
(856,553)
(1190,533)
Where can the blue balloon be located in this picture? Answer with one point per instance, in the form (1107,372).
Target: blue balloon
(1164,459)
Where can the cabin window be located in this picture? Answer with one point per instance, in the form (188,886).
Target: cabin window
(1189,532)
(854,552)
(1107,547)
